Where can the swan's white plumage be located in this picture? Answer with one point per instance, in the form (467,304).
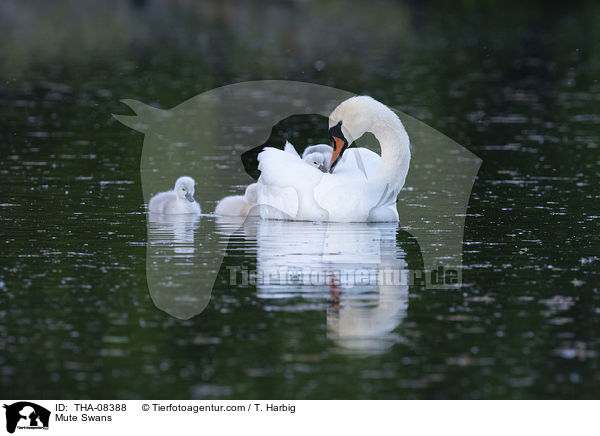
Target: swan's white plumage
(364,185)
(290,189)
(180,200)
(285,200)
(285,186)
(289,148)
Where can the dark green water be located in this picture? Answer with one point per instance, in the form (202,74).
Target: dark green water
(517,84)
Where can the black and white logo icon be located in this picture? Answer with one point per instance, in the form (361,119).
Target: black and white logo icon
(26,415)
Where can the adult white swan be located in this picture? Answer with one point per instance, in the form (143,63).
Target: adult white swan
(360,186)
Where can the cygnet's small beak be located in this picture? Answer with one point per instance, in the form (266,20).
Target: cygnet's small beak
(189,197)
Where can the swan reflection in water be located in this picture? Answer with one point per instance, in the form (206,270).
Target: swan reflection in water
(357,268)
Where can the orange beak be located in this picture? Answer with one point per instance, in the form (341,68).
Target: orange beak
(338,146)
(338,143)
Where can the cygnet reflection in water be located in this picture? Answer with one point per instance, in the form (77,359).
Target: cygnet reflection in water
(174,232)
(176,264)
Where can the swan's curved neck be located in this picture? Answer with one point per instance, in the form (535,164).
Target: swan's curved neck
(395,151)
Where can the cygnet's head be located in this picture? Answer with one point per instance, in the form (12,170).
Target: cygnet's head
(318,148)
(184,188)
(317,160)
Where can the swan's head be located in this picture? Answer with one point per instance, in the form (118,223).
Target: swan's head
(184,188)
(317,160)
(349,121)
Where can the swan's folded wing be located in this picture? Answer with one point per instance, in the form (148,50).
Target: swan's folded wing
(364,159)
(289,148)
(277,202)
(344,195)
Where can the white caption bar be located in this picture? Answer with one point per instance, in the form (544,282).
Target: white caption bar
(299,417)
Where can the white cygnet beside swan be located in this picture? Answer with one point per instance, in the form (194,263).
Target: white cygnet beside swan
(180,200)
(364,185)
(239,205)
